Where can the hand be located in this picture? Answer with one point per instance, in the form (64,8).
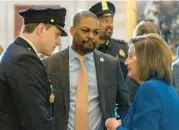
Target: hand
(112,123)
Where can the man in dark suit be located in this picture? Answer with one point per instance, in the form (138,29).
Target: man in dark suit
(104,82)
(105,12)
(26,94)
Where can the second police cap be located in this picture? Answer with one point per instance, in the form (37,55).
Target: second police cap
(103,8)
(54,15)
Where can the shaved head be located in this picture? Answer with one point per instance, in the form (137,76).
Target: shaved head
(81,14)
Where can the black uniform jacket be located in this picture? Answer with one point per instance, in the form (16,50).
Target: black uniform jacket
(116,48)
(24,90)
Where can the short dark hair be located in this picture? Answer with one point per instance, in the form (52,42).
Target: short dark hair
(154,57)
(29,28)
(77,17)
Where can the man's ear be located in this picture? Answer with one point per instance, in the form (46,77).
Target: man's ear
(72,30)
(40,28)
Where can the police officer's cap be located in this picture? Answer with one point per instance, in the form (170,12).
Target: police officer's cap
(103,8)
(54,15)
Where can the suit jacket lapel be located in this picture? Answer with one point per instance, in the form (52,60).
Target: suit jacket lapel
(63,63)
(99,59)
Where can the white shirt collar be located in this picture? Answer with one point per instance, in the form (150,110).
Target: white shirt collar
(34,48)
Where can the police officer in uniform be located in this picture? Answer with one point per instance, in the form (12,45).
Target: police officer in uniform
(26,94)
(105,11)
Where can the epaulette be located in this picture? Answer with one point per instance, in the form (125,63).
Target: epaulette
(119,40)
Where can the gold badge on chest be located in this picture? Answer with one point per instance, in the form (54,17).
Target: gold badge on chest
(122,53)
(52,98)
(52,95)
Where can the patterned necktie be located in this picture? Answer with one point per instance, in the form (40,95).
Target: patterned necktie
(81,110)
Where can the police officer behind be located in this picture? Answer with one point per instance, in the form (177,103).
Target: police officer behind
(26,94)
(105,11)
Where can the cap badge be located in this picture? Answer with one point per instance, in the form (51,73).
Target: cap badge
(52,20)
(122,53)
(104,5)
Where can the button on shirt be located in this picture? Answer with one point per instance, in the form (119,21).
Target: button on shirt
(94,111)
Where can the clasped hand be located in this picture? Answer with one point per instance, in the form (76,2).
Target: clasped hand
(112,123)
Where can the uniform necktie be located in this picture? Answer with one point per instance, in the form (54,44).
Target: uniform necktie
(81,110)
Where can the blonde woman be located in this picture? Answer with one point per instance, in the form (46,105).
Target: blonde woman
(156,104)
(142,28)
